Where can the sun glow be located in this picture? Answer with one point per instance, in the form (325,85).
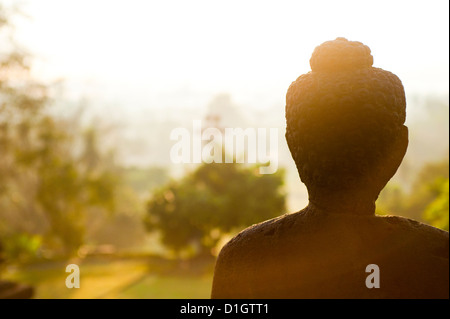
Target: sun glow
(250,49)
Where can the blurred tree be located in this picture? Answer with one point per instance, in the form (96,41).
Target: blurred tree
(436,212)
(22,247)
(392,200)
(427,199)
(50,174)
(426,188)
(198,210)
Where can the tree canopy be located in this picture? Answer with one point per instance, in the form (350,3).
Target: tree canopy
(427,200)
(198,210)
(51,170)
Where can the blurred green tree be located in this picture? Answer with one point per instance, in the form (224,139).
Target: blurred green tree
(197,211)
(50,174)
(426,188)
(427,199)
(436,212)
(392,200)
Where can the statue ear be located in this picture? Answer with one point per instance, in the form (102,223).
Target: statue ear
(389,166)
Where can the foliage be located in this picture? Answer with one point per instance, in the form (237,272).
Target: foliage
(427,199)
(391,200)
(426,187)
(50,174)
(198,210)
(437,211)
(22,247)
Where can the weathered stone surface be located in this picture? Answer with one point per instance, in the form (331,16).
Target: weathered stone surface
(346,134)
(314,255)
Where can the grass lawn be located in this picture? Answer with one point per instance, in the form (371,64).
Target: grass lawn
(118,278)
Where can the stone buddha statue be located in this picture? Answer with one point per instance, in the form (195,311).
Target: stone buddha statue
(345,130)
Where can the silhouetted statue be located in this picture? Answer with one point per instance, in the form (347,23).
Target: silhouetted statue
(345,132)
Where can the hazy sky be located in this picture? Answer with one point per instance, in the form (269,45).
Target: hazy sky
(135,56)
(145,54)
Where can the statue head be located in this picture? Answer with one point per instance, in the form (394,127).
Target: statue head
(345,122)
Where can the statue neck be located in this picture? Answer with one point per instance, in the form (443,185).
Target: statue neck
(342,202)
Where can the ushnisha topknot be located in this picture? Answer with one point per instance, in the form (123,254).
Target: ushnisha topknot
(340,55)
(343,117)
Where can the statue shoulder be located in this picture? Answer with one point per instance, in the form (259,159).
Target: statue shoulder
(238,257)
(426,236)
